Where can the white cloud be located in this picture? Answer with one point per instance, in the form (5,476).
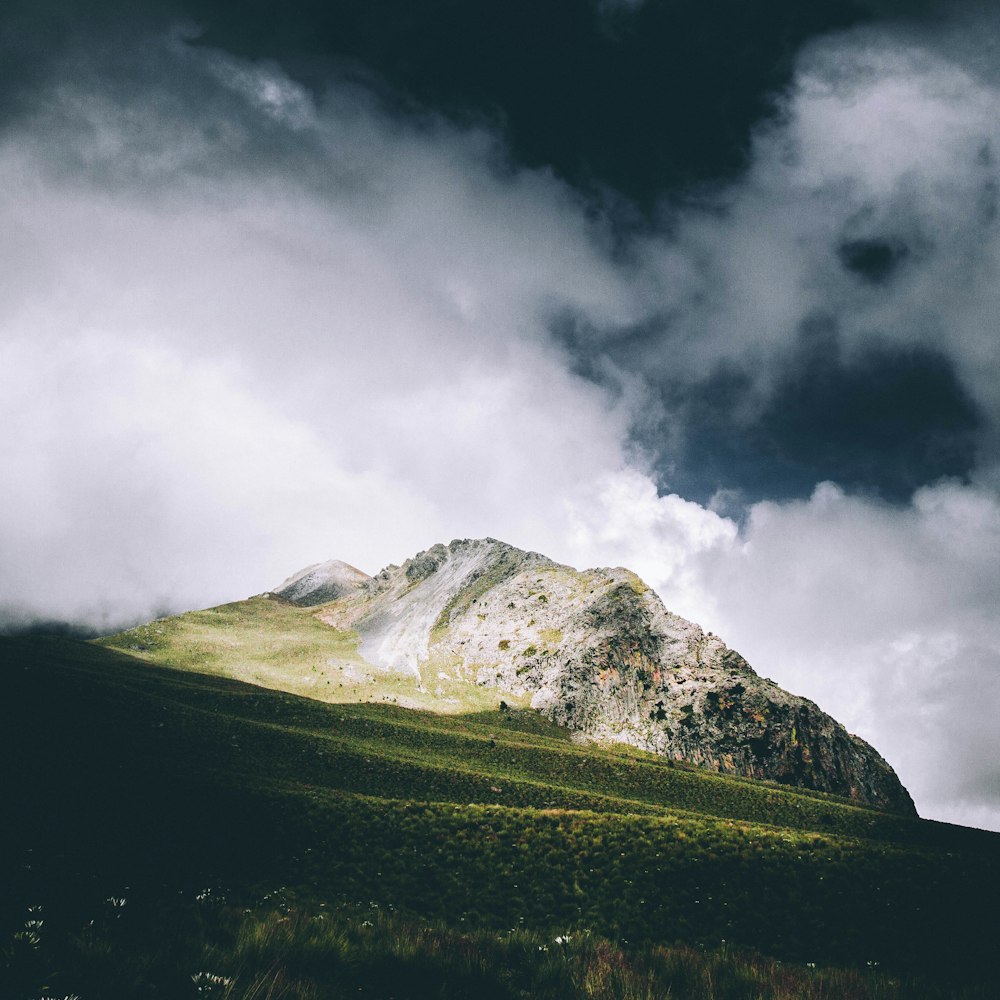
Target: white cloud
(621,520)
(227,355)
(143,479)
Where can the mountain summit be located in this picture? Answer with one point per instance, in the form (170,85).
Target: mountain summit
(321,583)
(596,651)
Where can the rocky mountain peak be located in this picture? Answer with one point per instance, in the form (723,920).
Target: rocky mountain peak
(322,582)
(596,651)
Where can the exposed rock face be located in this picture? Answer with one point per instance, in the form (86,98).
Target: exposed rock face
(596,651)
(321,583)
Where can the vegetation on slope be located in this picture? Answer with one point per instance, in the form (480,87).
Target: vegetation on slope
(458,627)
(278,645)
(123,774)
(203,946)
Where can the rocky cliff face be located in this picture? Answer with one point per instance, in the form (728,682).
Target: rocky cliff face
(596,651)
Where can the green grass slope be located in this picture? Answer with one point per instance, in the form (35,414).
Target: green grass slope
(278,645)
(124,779)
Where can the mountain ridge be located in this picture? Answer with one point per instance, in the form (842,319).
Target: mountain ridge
(597,652)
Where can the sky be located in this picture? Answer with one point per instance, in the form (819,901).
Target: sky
(706,290)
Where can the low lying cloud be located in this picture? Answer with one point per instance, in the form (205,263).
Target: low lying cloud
(245,329)
(887,618)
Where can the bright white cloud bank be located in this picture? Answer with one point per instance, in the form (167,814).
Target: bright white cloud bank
(242,331)
(226,356)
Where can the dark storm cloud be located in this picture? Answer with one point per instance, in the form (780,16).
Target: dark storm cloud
(870,200)
(659,96)
(884,419)
(874,259)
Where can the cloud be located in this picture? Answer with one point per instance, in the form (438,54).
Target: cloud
(869,209)
(887,618)
(146,481)
(621,520)
(244,329)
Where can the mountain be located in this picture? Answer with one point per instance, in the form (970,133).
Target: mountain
(414,810)
(597,652)
(321,583)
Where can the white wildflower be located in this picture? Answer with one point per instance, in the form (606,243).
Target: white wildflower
(207,982)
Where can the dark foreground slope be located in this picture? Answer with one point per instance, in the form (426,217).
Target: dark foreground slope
(128,781)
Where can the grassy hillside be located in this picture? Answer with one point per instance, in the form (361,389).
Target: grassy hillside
(534,640)
(173,789)
(278,645)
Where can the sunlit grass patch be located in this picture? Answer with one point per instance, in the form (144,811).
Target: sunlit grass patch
(274,644)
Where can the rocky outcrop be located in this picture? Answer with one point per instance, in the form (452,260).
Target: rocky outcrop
(323,582)
(596,651)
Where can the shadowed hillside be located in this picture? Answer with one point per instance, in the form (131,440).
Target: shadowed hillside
(127,779)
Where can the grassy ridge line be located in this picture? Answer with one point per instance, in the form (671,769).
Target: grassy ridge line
(209,730)
(622,773)
(281,646)
(300,756)
(296,752)
(485,769)
(358,763)
(219,640)
(644,767)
